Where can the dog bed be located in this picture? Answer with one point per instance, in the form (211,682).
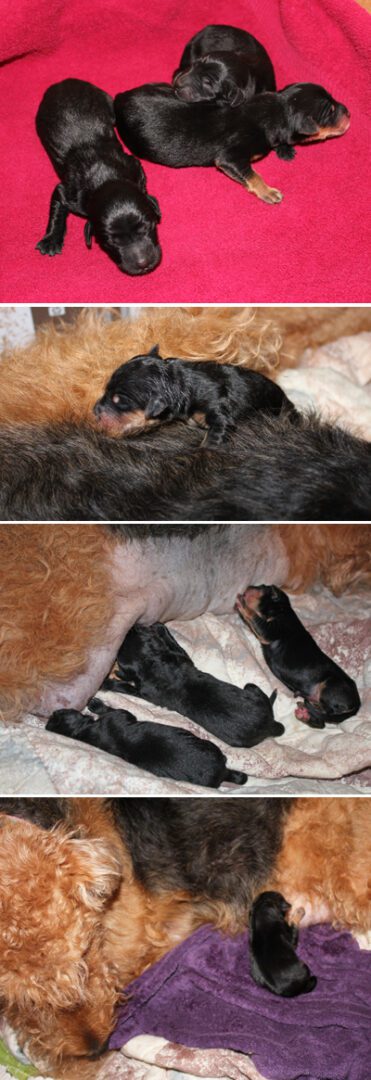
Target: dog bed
(202,994)
(219,243)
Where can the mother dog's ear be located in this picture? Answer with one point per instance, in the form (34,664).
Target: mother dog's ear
(88,233)
(153,200)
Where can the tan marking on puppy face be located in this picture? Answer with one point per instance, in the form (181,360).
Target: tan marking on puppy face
(323,133)
(124,424)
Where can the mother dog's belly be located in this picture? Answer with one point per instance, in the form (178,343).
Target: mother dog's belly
(177,577)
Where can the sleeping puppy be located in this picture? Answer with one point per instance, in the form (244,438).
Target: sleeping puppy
(155,125)
(273,960)
(293,656)
(149,390)
(75,122)
(151,665)
(225,65)
(164,751)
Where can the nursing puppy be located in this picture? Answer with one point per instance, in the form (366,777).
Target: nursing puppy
(149,389)
(151,665)
(293,656)
(155,125)
(223,64)
(273,960)
(75,122)
(164,751)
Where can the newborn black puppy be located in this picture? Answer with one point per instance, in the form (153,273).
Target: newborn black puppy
(223,64)
(273,960)
(152,665)
(154,124)
(149,389)
(164,751)
(293,656)
(99,181)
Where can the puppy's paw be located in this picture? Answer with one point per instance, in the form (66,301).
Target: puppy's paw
(272,195)
(49,245)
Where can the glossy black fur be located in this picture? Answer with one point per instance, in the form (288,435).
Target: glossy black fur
(271,469)
(151,665)
(154,124)
(161,750)
(273,960)
(223,64)
(99,181)
(176,389)
(294,657)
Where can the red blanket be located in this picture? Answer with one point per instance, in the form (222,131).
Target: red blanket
(219,243)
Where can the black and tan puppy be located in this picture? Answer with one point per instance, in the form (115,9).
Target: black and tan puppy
(273,960)
(164,751)
(149,389)
(99,181)
(151,665)
(155,125)
(294,657)
(223,64)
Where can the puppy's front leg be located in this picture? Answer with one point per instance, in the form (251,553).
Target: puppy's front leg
(250,179)
(52,242)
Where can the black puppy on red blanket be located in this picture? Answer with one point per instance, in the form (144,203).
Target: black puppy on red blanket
(294,657)
(223,64)
(155,125)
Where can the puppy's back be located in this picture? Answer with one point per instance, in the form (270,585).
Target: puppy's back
(73,112)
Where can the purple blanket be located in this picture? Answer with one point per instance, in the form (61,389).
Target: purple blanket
(201,995)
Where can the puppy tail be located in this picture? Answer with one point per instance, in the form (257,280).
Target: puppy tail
(233,776)
(273,697)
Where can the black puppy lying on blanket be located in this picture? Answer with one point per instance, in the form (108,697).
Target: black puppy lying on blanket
(155,125)
(152,665)
(293,656)
(223,64)
(75,122)
(149,389)
(164,751)
(273,962)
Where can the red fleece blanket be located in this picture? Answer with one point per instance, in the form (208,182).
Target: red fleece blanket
(219,243)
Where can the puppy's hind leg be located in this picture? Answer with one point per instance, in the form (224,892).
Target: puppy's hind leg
(52,242)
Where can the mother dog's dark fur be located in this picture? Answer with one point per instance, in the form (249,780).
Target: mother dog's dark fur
(223,64)
(221,849)
(75,122)
(154,124)
(271,469)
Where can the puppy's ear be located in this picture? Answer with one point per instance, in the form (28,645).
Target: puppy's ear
(88,233)
(155,408)
(153,201)
(231,94)
(155,351)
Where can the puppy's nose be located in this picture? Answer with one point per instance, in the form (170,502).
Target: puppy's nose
(143,261)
